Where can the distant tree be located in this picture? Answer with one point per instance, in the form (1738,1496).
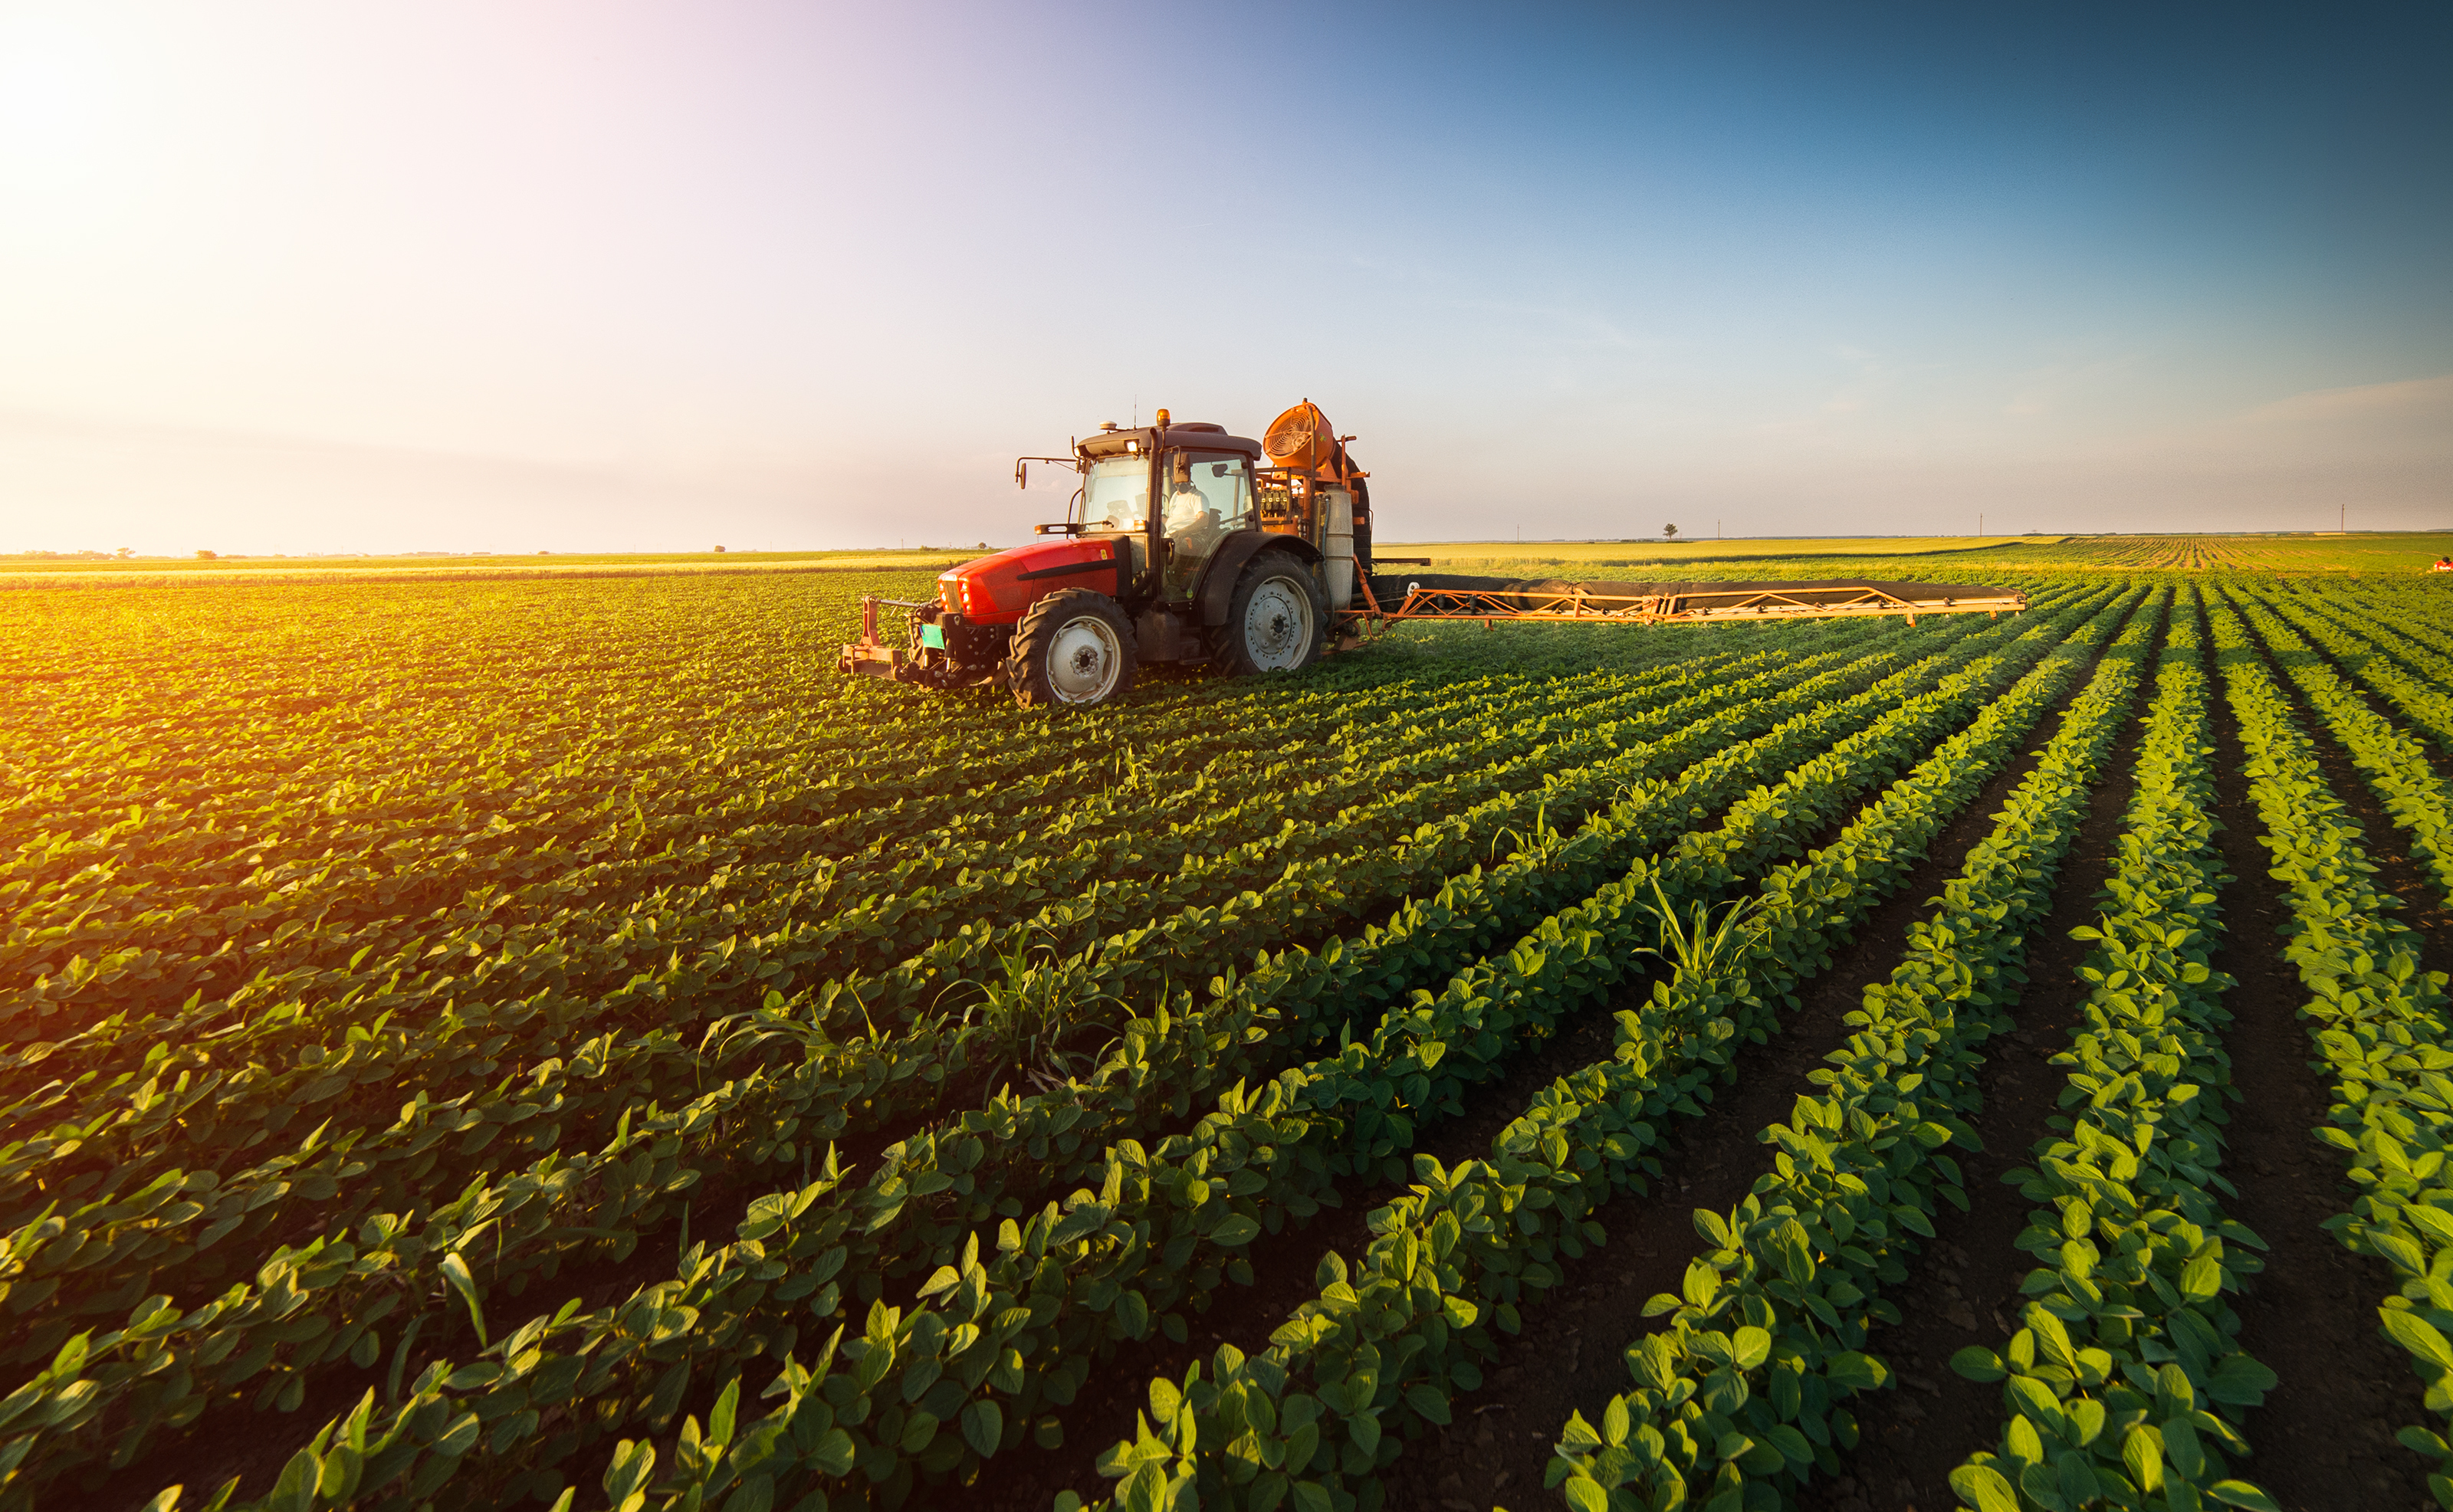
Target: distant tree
(206,556)
(719,549)
(125,551)
(1669,533)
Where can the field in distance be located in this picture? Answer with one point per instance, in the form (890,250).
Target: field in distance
(428,563)
(1634,553)
(1952,557)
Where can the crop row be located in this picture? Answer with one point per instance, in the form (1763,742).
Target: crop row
(2376,658)
(2394,763)
(2129,1359)
(845,843)
(309,941)
(1362,1112)
(564,980)
(1361,1077)
(454,954)
(1741,1393)
(862,1077)
(1383,1346)
(811,1239)
(2379,1023)
(1298,980)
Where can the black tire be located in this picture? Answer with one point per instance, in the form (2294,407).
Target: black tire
(1278,620)
(1074,648)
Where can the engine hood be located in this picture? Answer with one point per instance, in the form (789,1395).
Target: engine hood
(995,589)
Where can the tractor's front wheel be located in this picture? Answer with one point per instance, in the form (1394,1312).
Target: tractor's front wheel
(1072,648)
(1277,620)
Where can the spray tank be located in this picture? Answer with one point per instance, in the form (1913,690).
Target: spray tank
(1303,443)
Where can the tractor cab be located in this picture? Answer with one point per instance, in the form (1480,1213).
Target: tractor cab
(1170,496)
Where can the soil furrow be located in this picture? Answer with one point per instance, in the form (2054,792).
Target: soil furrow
(1962,1289)
(2311,1314)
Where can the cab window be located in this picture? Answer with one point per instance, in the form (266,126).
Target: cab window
(1116,495)
(1205,496)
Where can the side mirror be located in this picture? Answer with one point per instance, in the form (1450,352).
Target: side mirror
(1022,474)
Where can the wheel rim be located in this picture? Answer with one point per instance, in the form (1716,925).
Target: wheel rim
(1083,659)
(1278,625)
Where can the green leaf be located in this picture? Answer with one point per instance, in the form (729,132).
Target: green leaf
(1588,1496)
(1749,1347)
(1578,1436)
(1984,1488)
(1615,1425)
(2242,1494)
(2141,1455)
(2418,1441)
(2077,1477)
(2434,1223)
(1147,1490)
(1239,1229)
(2200,1277)
(1703,1283)
(2181,1448)
(1977,1363)
(2417,1335)
(461,1436)
(983,1427)
(1365,1429)
(2242,1382)
(456,1273)
(2041,1485)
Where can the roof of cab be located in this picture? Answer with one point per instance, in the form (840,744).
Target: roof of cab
(1194,433)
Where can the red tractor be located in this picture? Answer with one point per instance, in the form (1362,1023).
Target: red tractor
(1182,545)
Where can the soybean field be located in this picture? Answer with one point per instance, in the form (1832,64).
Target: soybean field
(501,1042)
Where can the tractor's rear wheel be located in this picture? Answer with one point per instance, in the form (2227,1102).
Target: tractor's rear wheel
(1073,647)
(1277,620)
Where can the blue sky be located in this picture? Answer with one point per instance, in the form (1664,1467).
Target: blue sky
(291,277)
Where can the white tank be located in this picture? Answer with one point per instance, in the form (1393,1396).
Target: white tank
(1337,546)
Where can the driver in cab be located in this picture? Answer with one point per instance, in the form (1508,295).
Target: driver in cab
(1193,528)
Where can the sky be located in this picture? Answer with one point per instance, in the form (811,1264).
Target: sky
(609,276)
